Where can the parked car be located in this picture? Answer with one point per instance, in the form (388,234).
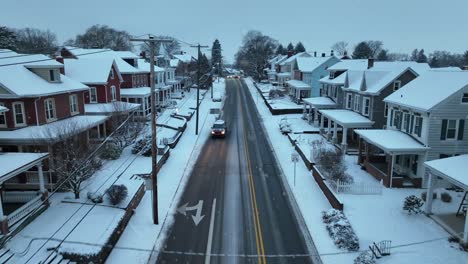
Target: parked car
(217,97)
(219,129)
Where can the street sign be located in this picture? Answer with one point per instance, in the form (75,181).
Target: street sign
(294,157)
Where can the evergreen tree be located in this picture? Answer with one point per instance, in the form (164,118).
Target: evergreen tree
(414,55)
(204,64)
(362,51)
(383,56)
(280,50)
(421,56)
(290,47)
(7,39)
(465,58)
(299,48)
(216,57)
(434,63)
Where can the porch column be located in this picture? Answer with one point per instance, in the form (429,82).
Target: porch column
(465,231)
(304,112)
(335,132)
(3,219)
(87,137)
(322,123)
(359,150)
(328,128)
(430,191)
(315,116)
(344,139)
(390,171)
(99,131)
(41,178)
(104,129)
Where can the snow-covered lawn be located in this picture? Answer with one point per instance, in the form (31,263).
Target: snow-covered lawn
(279,103)
(373,217)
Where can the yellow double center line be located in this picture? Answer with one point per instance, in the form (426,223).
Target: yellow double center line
(256,218)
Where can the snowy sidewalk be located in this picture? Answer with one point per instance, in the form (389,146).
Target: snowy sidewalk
(373,218)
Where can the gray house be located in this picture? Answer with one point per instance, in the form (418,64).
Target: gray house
(426,121)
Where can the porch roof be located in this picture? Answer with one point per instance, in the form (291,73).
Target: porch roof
(114,107)
(14,163)
(347,118)
(300,85)
(284,74)
(135,92)
(391,141)
(452,169)
(48,133)
(320,102)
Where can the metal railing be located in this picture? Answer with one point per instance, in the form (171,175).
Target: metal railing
(23,211)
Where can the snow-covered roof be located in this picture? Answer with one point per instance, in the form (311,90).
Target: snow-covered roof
(298,84)
(320,102)
(21,82)
(284,74)
(185,58)
(345,65)
(114,107)
(90,70)
(30,60)
(294,57)
(145,66)
(340,80)
(391,141)
(446,69)
(453,169)
(135,92)
(14,163)
(347,118)
(361,65)
(174,63)
(49,132)
(309,64)
(3,109)
(126,54)
(429,89)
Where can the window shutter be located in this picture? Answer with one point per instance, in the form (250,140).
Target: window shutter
(411,124)
(443,131)
(461,128)
(391,117)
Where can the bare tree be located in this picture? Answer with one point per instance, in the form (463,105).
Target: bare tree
(170,48)
(398,57)
(7,38)
(126,127)
(102,36)
(375,46)
(340,47)
(32,40)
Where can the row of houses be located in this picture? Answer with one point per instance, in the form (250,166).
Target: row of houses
(72,95)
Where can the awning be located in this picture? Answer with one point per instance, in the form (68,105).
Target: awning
(452,169)
(51,132)
(347,118)
(14,163)
(109,108)
(299,85)
(391,141)
(320,102)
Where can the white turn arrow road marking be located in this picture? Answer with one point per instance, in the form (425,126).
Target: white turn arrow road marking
(197,217)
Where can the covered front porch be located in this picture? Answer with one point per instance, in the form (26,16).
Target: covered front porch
(15,206)
(312,105)
(298,90)
(283,77)
(392,156)
(453,170)
(346,121)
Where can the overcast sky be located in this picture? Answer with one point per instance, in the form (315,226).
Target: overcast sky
(402,25)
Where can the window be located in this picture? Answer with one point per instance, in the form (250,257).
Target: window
(332,75)
(113,93)
(73,104)
(112,74)
(385,114)
(335,93)
(349,100)
(418,126)
(406,121)
(366,106)
(465,98)
(2,117)
(49,107)
(397,119)
(18,113)
(92,95)
(452,129)
(54,76)
(356,103)
(396,85)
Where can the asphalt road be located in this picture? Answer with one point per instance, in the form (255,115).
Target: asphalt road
(237,179)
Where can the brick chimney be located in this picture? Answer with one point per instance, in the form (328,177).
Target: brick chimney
(315,54)
(290,53)
(323,54)
(370,63)
(60,59)
(143,55)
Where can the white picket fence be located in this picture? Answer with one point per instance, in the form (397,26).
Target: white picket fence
(356,187)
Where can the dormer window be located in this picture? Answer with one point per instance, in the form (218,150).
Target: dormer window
(396,85)
(54,75)
(332,75)
(465,98)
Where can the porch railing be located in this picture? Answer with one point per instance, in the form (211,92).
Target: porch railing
(23,211)
(18,196)
(356,187)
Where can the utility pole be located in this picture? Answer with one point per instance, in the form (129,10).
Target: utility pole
(151,41)
(198,83)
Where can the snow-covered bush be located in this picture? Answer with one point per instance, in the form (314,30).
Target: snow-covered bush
(275,93)
(446,197)
(413,204)
(365,257)
(424,196)
(117,193)
(111,151)
(95,197)
(332,164)
(142,146)
(340,230)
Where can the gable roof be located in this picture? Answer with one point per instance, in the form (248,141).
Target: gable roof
(361,65)
(90,70)
(145,66)
(30,60)
(294,57)
(185,58)
(429,89)
(309,64)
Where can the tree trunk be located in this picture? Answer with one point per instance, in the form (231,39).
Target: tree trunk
(77,194)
